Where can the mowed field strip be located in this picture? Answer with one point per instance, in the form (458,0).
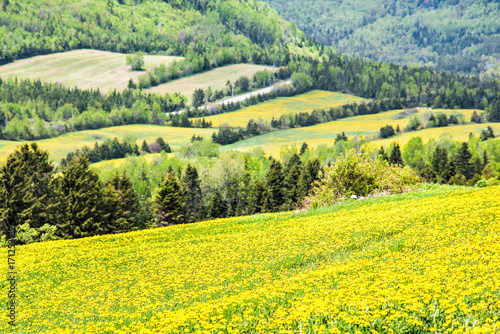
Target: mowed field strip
(307,102)
(59,147)
(325,133)
(82,68)
(215,79)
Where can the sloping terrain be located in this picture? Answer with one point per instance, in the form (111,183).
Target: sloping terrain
(420,262)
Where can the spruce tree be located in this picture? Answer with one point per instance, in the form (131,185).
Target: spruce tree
(275,186)
(256,198)
(382,154)
(216,207)
(169,202)
(27,189)
(396,158)
(164,146)
(81,193)
(145,147)
(494,115)
(291,183)
(128,204)
(308,176)
(303,148)
(440,160)
(464,166)
(192,194)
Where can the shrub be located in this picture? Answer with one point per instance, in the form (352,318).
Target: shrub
(355,174)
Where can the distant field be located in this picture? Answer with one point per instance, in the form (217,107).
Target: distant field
(325,133)
(215,79)
(282,106)
(82,68)
(60,146)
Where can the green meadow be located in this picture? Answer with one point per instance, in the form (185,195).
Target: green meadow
(82,68)
(282,106)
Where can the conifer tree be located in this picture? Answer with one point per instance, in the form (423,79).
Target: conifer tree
(396,158)
(383,154)
(440,160)
(464,166)
(291,182)
(164,146)
(128,204)
(275,185)
(257,197)
(169,202)
(192,194)
(308,176)
(27,189)
(216,207)
(81,193)
(303,148)
(145,147)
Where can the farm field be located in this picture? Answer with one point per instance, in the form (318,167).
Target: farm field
(420,262)
(82,68)
(325,133)
(59,147)
(215,79)
(282,106)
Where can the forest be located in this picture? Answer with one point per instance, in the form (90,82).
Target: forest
(452,35)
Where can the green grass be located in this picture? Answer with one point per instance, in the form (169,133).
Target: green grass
(82,68)
(282,106)
(325,133)
(215,79)
(59,147)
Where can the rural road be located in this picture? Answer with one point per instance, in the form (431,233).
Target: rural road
(240,98)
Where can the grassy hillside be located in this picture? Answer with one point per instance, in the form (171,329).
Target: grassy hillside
(60,146)
(82,68)
(215,79)
(456,35)
(282,106)
(325,133)
(420,262)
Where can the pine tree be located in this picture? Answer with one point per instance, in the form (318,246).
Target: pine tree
(27,189)
(395,158)
(464,166)
(81,193)
(275,185)
(145,147)
(216,207)
(169,203)
(192,194)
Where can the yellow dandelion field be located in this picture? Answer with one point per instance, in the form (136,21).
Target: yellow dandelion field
(422,262)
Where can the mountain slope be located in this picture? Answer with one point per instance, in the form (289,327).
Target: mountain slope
(229,31)
(458,35)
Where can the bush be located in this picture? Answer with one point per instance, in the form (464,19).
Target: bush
(354,174)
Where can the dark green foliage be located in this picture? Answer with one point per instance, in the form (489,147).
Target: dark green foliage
(169,202)
(476,118)
(487,133)
(164,146)
(382,154)
(109,150)
(440,160)
(464,166)
(198,97)
(123,204)
(395,158)
(274,184)
(192,194)
(258,198)
(81,194)
(227,136)
(340,137)
(243,83)
(291,183)
(494,115)
(27,189)
(303,148)
(216,207)
(387,131)
(145,147)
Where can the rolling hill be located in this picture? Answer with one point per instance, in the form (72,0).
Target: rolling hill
(420,262)
(457,35)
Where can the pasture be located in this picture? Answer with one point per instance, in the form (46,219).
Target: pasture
(307,102)
(84,69)
(396,264)
(215,79)
(325,133)
(59,147)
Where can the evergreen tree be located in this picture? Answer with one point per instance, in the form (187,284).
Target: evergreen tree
(308,176)
(216,207)
(145,147)
(257,198)
(440,160)
(192,194)
(275,186)
(128,204)
(396,158)
(164,146)
(303,148)
(494,115)
(464,166)
(169,202)
(383,154)
(27,189)
(81,194)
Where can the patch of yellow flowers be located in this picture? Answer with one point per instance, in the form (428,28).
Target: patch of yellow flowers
(416,263)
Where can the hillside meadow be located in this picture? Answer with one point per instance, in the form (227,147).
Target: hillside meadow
(415,263)
(215,79)
(59,147)
(82,68)
(325,133)
(283,106)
